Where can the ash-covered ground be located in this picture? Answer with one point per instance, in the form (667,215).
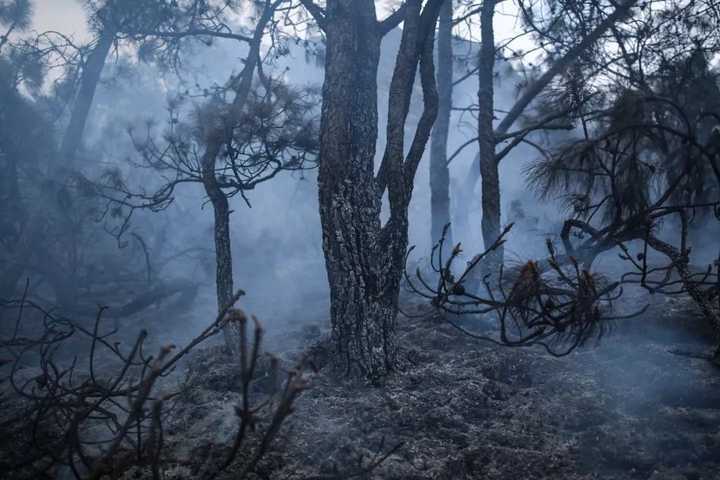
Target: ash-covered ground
(626,408)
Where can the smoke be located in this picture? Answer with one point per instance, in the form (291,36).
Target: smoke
(276,236)
(277,245)
(275,229)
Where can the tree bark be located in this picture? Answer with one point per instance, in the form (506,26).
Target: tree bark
(221,210)
(439,172)
(364,259)
(92,69)
(486,139)
(349,207)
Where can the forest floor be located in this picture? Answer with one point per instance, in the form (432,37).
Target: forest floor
(462,409)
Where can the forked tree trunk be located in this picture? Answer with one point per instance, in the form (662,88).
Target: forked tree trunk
(364,259)
(439,172)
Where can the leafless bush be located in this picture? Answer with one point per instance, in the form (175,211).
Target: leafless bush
(100,411)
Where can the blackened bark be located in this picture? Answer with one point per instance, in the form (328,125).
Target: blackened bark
(439,172)
(365,260)
(91,72)
(349,207)
(221,210)
(486,139)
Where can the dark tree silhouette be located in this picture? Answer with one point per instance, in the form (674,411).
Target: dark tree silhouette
(274,131)
(364,258)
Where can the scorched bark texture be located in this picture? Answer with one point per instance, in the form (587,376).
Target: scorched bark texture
(365,259)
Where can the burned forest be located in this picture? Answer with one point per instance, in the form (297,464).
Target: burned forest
(359,239)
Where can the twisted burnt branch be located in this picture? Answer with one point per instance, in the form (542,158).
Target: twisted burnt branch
(96,421)
(559,308)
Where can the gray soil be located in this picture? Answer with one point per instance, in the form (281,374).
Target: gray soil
(626,408)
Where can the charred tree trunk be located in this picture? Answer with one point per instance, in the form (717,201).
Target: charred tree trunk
(91,71)
(364,259)
(439,172)
(362,318)
(221,210)
(486,139)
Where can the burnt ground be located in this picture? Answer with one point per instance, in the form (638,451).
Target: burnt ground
(463,409)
